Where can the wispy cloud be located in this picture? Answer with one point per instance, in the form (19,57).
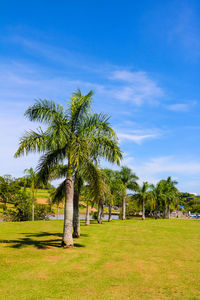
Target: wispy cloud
(171,164)
(158,168)
(136,87)
(138,139)
(181,107)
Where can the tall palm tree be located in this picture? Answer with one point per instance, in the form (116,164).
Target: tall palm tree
(33,177)
(128,180)
(74,136)
(143,195)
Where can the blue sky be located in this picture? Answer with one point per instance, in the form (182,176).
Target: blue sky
(142,58)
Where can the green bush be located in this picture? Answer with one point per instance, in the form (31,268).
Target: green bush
(23,209)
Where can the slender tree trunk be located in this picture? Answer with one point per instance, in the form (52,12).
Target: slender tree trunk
(110,213)
(87,216)
(76,219)
(164,212)
(123,208)
(5,205)
(167,212)
(143,210)
(100,211)
(57,210)
(67,240)
(33,207)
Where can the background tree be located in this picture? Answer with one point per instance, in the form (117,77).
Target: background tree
(143,195)
(128,180)
(33,177)
(114,186)
(165,194)
(8,188)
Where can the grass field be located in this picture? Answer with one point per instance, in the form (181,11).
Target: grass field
(133,259)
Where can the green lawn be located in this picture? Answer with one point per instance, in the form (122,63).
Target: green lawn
(133,259)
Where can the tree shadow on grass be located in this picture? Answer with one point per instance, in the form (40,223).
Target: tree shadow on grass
(39,244)
(84,234)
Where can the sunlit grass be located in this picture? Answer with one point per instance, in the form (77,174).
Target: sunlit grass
(133,259)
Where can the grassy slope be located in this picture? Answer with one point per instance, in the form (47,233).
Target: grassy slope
(133,259)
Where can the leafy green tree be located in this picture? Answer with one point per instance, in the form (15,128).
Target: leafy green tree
(23,209)
(73,135)
(8,188)
(128,179)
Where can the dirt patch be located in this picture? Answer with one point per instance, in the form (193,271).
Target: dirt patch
(110,265)
(52,258)
(78,267)
(42,276)
(42,201)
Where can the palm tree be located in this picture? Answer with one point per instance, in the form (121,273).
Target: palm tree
(74,136)
(172,195)
(143,195)
(33,177)
(114,186)
(58,195)
(89,198)
(128,180)
(166,194)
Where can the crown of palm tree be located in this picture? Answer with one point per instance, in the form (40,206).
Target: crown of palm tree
(73,134)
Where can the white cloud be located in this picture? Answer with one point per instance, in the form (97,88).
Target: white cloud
(138,139)
(136,87)
(181,107)
(172,165)
(185,170)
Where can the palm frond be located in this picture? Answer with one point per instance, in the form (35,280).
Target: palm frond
(94,177)
(80,106)
(59,194)
(32,141)
(48,162)
(44,111)
(58,171)
(97,124)
(106,148)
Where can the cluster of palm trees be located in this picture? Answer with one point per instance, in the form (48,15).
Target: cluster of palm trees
(159,198)
(74,141)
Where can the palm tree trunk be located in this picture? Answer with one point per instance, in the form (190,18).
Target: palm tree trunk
(167,212)
(33,207)
(67,240)
(100,211)
(143,210)
(76,219)
(164,212)
(5,205)
(87,216)
(110,213)
(123,208)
